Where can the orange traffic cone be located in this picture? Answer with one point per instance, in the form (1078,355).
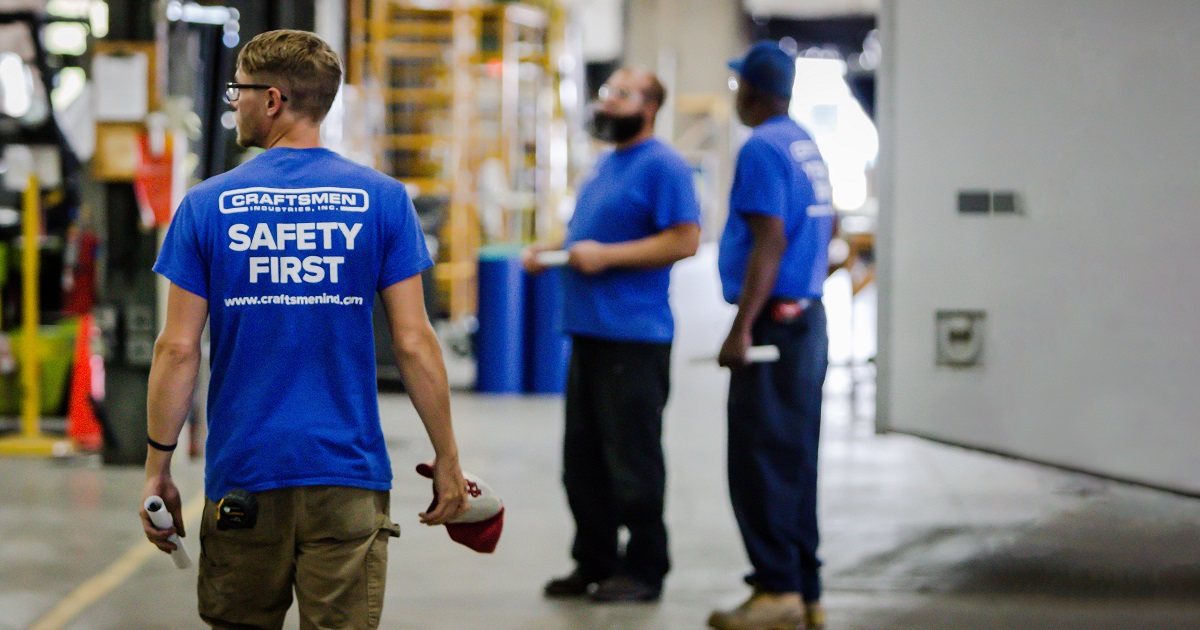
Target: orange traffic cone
(82,425)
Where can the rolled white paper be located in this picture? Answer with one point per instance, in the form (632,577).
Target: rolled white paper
(553,258)
(762,354)
(161,519)
(754,354)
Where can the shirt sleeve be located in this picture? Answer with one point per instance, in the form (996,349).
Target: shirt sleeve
(675,196)
(404,252)
(752,191)
(182,260)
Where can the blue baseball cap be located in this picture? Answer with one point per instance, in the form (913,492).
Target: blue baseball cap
(767,67)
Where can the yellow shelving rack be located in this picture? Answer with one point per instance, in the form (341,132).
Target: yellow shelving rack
(418,63)
(461,85)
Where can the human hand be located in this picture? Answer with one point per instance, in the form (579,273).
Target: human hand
(163,487)
(589,257)
(449,493)
(529,258)
(733,351)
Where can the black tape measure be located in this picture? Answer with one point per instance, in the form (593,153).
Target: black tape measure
(237,510)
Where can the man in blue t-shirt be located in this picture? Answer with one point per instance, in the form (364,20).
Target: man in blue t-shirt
(636,216)
(773,260)
(284,255)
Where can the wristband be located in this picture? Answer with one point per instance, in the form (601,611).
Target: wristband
(161,447)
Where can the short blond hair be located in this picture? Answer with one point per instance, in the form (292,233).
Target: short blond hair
(300,63)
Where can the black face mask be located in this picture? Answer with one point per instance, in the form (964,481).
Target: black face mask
(614,128)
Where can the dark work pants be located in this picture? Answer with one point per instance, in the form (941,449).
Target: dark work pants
(613,465)
(774,425)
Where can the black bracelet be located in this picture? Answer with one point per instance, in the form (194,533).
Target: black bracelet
(161,447)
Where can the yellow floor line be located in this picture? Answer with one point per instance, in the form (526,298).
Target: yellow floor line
(91,591)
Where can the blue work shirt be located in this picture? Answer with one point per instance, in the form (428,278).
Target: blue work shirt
(290,249)
(632,193)
(779,173)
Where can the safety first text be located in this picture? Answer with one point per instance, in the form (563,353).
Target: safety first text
(325,236)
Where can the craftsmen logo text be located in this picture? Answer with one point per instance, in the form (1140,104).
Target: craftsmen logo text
(259,199)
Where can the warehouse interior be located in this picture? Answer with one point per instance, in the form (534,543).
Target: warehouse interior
(1008,427)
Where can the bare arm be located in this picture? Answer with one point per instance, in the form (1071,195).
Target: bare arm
(762,269)
(419,357)
(172,385)
(657,250)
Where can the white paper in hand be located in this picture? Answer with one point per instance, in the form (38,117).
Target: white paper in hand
(162,520)
(553,258)
(762,354)
(754,354)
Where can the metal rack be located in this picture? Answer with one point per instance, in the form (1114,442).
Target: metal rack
(461,87)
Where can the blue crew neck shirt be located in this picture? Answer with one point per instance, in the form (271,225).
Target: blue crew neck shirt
(779,173)
(290,249)
(631,194)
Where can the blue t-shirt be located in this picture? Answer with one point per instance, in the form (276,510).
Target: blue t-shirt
(779,173)
(632,193)
(290,249)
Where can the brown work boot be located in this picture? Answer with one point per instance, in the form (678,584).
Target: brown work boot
(814,616)
(763,611)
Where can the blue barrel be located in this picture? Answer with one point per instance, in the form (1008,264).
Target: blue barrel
(547,346)
(500,340)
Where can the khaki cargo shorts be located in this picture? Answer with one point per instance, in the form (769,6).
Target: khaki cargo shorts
(327,543)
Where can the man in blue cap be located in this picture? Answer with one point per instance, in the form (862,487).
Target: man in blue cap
(773,261)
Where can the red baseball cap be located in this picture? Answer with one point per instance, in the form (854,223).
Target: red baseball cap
(480,526)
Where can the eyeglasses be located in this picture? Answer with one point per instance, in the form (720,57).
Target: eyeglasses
(233,91)
(620,94)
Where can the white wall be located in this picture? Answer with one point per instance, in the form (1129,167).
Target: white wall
(330,19)
(701,36)
(1089,111)
(688,43)
(811,8)
(603,28)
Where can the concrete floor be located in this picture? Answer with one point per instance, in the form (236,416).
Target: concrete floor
(916,535)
